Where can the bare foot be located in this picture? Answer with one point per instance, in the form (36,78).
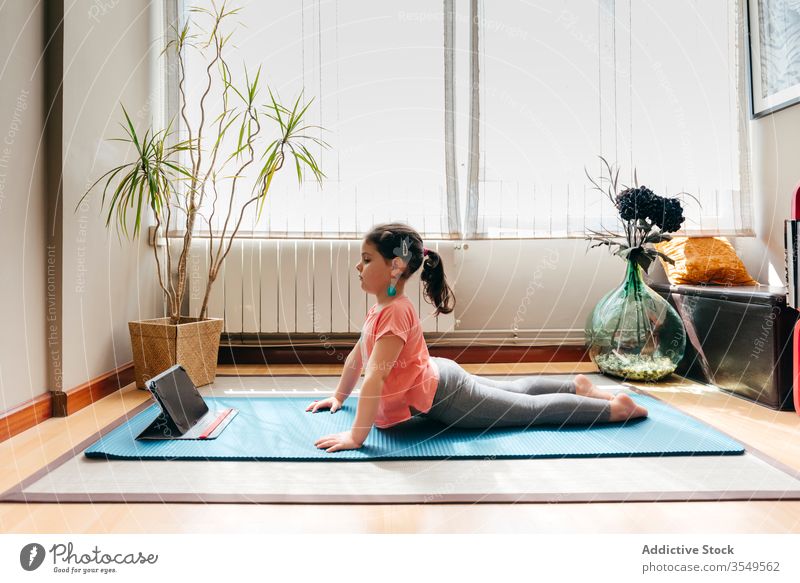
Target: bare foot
(623,408)
(585,388)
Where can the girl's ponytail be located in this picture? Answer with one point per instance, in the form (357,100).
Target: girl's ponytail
(435,285)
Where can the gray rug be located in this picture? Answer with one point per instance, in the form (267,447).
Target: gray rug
(74,478)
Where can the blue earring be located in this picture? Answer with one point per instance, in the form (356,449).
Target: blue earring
(392,290)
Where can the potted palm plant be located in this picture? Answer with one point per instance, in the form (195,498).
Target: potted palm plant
(175,179)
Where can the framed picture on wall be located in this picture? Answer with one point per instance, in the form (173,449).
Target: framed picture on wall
(773,31)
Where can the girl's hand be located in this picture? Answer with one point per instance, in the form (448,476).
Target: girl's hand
(337,441)
(331,403)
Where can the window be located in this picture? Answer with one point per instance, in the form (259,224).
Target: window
(492,111)
(658,86)
(376,74)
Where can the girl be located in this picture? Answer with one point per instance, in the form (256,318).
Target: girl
(402,380)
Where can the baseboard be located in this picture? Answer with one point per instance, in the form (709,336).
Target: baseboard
(467,354)
(25,416)
(36,410)
(99,387)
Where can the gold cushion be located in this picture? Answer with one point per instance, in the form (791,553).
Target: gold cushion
(701,260)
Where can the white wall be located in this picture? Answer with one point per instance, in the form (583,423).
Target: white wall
(775,144)
(106,283)
(108,57)
(22,206)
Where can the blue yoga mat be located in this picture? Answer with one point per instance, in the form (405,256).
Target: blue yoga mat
(277,428)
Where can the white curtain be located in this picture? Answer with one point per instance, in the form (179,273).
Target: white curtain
(376,72)
(655,86)
(492,111)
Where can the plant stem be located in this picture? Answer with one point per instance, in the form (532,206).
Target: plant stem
(158,267)
(174,304)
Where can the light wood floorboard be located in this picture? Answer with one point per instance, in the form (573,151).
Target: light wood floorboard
(775,433)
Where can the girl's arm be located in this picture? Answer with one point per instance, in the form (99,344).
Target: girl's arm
(380,364)
(352,371)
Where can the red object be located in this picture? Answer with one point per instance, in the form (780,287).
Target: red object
(216,423)
(796,335)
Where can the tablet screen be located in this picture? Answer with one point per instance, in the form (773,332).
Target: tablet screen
(179,398)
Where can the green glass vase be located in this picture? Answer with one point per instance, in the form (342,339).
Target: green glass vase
(633,333)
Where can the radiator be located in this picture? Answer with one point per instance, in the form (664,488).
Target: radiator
(297,286)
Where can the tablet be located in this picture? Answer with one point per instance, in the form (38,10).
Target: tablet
(184,413)
(178,397)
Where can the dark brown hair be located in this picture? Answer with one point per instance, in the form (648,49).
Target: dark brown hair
(388,239)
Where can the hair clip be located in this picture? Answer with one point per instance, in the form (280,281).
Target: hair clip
(403,251)
(425,251)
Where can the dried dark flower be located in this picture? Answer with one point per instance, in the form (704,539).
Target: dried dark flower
(641,211)
(668,215)
(636,203)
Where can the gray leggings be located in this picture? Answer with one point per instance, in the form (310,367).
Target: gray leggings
(466,400)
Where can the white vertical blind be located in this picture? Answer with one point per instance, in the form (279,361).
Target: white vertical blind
(658,86)
(376,73)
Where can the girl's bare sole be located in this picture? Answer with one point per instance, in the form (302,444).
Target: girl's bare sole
(624,408)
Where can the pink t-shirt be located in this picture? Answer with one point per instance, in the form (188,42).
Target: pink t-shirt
(414,376)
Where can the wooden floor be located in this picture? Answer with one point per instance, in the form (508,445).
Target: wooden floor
(775,433)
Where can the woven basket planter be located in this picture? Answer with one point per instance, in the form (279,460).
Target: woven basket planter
(193,343)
